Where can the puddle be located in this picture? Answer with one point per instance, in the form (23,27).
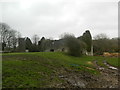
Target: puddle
(111,67)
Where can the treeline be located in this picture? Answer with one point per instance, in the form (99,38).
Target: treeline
(12,41)
(102,43)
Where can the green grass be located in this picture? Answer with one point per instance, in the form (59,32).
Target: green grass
(41,69)
(114,61)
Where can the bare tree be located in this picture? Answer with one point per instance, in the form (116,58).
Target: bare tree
(101,36)
(12,42)
(4,29)
(101,43)
(8,36)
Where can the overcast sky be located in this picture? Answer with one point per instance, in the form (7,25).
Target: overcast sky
(51,18)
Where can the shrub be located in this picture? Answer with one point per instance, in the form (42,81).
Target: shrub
(73,45)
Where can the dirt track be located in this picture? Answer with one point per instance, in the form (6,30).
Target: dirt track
(74,79)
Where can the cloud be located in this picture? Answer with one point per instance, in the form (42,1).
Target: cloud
(50,18)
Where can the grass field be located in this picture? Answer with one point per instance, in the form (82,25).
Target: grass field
(41,69)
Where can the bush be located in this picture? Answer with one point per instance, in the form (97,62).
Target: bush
(73,45)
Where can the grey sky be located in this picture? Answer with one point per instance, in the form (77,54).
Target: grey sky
(51,18)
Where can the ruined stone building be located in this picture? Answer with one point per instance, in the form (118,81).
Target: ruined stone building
(21,45)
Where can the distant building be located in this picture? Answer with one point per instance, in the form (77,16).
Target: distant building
(21,45)
(50,46)
(56,45)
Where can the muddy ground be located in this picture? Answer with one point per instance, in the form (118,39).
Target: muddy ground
(108,78)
